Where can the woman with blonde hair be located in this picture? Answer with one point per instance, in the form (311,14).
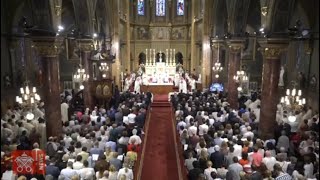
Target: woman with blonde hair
(113,173)
(224,148)
(108,153)
(207,171)
(203,158)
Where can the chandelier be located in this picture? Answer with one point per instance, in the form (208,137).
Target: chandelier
(80,75)
(28,98)
(240,78)
(104,68)
(293,99)
(217,68)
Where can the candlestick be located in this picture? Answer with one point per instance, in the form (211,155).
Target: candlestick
(146,57)
(154,57)
(167,55)
(150,51)
(174,56)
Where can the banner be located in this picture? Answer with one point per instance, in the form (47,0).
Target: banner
(28,161)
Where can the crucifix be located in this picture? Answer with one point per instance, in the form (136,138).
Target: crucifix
(160,59)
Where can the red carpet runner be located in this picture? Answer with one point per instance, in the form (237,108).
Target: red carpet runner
(159,157)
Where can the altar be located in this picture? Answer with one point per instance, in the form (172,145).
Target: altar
(159,73)
(158,88)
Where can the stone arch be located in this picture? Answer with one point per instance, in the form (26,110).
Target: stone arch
(220,20)
(179,57)
(281,16)
(142,58)
(163,56)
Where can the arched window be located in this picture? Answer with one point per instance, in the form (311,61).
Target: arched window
(180,7)
(160,7)
(140,7)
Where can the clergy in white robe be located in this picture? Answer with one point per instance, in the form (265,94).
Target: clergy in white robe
(137,85)
(127,83)
(64,112)
(183,86)
(192,83)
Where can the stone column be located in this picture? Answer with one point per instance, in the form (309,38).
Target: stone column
(86,46)
(49,48)
(235,47)
(271,50)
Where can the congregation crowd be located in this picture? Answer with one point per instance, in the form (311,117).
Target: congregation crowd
(97,144)
(218,142)
(223,143)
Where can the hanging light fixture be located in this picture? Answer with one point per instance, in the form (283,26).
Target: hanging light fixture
(293,100)
(217,68)
(28,98)
(240,77)
(80,75)
(104,68)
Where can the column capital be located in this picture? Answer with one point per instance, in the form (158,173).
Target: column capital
(215,43)
(47,46)
(272,48)
(86,45)
(235,45)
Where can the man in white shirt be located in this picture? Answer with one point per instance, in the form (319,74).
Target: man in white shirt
(78,164)
(203,129)
(269,161)
(68,172)
(192,129)
(181,123)
(136,137)
(64,111)
(86,172)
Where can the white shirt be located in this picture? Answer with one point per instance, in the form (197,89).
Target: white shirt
(68,173)
(181,123)
(131,118)
(129,174)
(308,170)
(187,120)
(77,165)
(269,162)
(203,129)
(192,130)
(86,173)
(137,138)
(207,172)
(237,150)
(8,175)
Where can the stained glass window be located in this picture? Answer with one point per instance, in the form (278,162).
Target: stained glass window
(161,8)
(180,7)
(140,7)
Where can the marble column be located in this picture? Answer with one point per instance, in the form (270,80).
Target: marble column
(86,46)
(49,48)
(235,47)
(271,50)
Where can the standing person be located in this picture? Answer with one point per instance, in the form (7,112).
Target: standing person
(64,111)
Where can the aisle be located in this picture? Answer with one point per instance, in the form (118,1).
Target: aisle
(159,157)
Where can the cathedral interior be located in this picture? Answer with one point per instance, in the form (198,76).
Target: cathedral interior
(91,46)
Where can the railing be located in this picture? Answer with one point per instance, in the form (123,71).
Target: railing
(184,170)
(138,164)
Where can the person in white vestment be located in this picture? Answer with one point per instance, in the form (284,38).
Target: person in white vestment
(137,84)
(127,83)
(192,83)
(281,81)
(64,111)
(183,85)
